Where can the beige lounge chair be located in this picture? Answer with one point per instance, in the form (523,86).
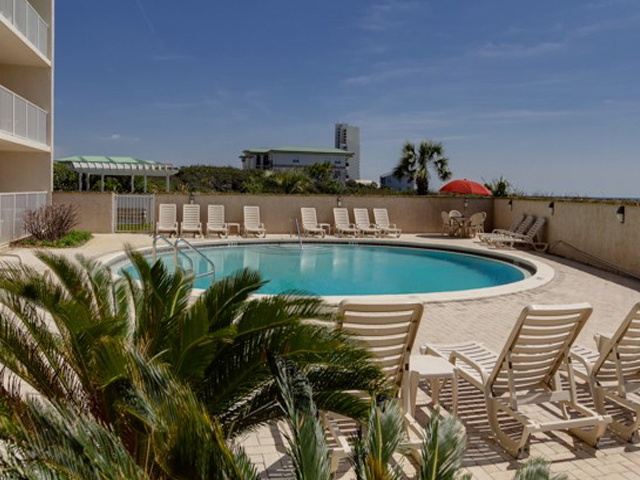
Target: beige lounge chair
(613,373)
(447,224)
(252,224)
(361,217)
(191,220)
(389,330)
(167,219)
(342,225)
(215,221)
(513,228)
(526,373)
(381,217)
(533,238)
(310,225)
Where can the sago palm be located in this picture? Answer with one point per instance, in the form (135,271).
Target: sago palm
(416,163)
(63,335)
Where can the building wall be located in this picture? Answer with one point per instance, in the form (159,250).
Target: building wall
(25,172)
(403,184)
(591,226)
(347,137)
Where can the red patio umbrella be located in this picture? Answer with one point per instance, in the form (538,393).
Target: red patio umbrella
(465,187)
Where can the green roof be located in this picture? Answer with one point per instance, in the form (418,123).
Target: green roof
(98,159)
(325,150)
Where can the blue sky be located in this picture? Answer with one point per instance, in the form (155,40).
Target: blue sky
(546,93)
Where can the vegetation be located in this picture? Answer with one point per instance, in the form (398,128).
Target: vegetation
(500,187)
(74,238)
(416,163)
(50,222)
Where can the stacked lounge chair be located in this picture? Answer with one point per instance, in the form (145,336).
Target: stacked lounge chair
(518,226)
(533,238)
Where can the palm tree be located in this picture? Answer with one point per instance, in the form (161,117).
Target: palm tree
(416,164)
(66,336)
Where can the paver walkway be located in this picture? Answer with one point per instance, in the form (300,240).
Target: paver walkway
(489,321)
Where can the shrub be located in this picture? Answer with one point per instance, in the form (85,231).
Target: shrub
(50,222)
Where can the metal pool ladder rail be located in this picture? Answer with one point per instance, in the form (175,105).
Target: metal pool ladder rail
(189,245)
(176,251)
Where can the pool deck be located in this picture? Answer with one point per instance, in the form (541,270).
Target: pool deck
(487,320)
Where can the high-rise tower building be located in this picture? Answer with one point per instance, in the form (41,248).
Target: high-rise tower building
(348,138)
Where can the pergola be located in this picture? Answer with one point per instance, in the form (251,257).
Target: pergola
(117,167)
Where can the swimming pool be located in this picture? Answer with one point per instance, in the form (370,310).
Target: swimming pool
(328,269)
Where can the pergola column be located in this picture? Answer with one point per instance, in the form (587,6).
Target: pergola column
(79,181)
(145,184)
(102,182)
(132,183)
(168,182)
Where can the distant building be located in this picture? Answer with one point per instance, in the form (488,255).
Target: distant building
(348,138)
(291,158)
(389,181)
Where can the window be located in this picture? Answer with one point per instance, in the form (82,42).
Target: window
(337,162)
(296,160)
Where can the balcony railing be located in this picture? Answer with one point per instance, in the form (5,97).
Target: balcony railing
(24,17)
(12,209)
(21,118)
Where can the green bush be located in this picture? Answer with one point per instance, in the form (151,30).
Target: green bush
(75,238)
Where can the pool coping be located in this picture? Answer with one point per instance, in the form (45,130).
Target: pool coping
(543,273)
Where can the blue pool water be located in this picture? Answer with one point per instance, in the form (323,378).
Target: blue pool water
(339,269)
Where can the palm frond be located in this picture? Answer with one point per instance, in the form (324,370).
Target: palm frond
(443,449)
(537,469)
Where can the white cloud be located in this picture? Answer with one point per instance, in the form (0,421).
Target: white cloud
(118,137)
(506,50)
(384,16)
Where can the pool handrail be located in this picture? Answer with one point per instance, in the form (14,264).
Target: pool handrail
(211,272)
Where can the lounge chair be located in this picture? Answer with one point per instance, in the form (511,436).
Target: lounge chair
(533,238)
(381,217)
(361,217)
(310,225)
(191,220)
(447,224)
(215,221)
(252,224)
(513,228)
(526,373)
(389,330)
(167,219)
(342,226)
(613,373)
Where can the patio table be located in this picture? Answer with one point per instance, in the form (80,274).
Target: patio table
(436,370)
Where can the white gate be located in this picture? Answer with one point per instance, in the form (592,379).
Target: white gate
(133,213)
(12,209)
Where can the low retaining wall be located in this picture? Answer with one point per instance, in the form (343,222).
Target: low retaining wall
(590,226)
(95,209)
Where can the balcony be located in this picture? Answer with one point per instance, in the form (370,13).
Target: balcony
(24,34)
(23,125)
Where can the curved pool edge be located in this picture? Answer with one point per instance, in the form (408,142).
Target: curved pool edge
(543,273)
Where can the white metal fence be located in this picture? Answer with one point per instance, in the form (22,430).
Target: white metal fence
(24,17)
(22,118)
(133,213)
(12,209)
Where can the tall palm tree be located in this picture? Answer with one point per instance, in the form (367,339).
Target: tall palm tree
(415,164)
(64,335)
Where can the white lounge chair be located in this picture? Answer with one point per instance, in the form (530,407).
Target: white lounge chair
(526,373)
(342,225)
(513,228)
(215,221)
(361,217)
(613,373)
(167,219)
(381,217)
(533,238)
(310,225)
(252,224)
(389,330)
(191,220)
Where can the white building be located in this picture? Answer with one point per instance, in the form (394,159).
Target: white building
(291,158)
(347,137)
(389,181)
(26,110)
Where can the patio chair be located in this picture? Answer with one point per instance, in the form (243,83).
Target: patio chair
(613,373)
(310,224)
(455,213)
(513,228)
(526,373)
(476,223)
(533,238)
(252,224)
(381,217)
(342,226)
(167,219)
(215,221)
(389,330)
(447,226)
(191,220)
(361,217)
